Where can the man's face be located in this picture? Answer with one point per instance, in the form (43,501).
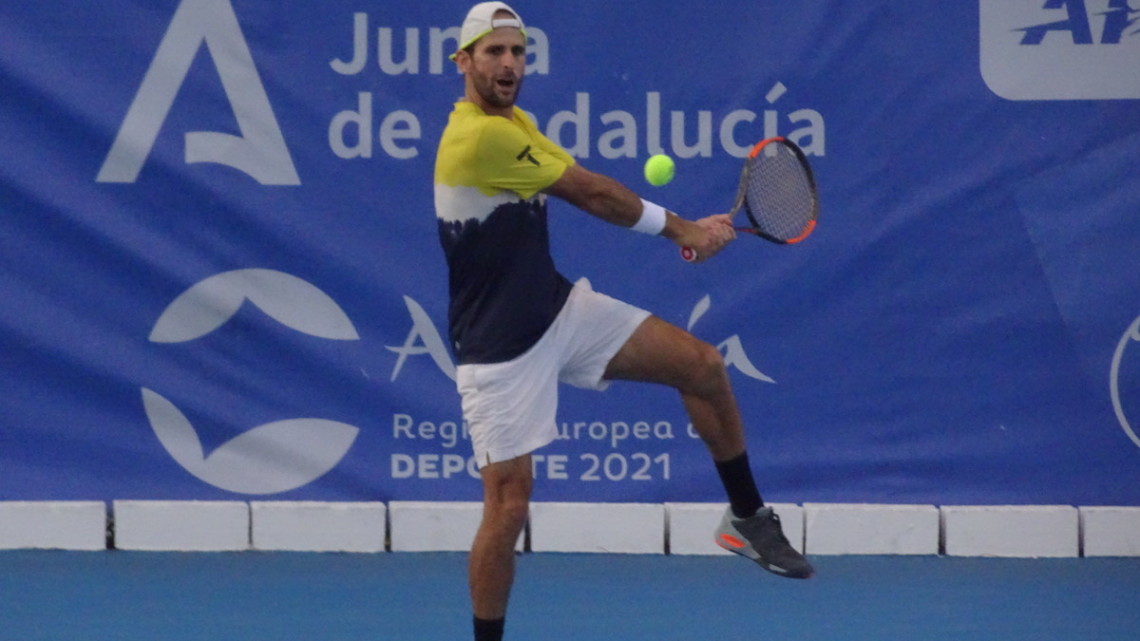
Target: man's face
(496,66)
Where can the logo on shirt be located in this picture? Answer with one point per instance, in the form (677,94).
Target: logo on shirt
(1061,49)
(525,153)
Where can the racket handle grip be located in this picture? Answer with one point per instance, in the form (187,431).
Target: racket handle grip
(688,254)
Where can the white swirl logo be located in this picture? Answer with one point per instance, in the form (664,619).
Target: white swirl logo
(270,458)
(1130,336)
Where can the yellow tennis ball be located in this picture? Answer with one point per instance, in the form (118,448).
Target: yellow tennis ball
(659,170)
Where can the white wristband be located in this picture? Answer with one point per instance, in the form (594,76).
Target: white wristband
(652,219)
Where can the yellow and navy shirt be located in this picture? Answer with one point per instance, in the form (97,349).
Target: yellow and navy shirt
(505,290)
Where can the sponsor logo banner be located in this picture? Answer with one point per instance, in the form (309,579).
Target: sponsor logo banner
(1061,49)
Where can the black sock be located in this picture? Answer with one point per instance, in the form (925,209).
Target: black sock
(489,629)
(736,474)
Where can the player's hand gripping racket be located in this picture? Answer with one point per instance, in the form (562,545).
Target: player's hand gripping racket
(777,194)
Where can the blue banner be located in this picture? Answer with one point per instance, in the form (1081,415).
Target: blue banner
(220,275)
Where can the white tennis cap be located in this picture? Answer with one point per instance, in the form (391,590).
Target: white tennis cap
(481,20)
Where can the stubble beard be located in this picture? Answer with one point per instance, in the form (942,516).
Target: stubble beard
(489,93)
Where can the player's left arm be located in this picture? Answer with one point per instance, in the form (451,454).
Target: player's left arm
(615,203)
(598,195)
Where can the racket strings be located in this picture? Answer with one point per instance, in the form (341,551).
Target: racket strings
(779,194)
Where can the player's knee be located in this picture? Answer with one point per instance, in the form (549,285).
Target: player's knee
(710,362)
(708,370)
(509,514)
(514,516)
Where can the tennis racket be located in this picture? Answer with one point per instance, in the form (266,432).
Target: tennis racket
(777,194)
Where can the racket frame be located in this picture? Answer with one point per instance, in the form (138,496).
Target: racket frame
(688,254)
(742,191)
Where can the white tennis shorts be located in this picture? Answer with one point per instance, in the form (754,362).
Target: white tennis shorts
(510,407)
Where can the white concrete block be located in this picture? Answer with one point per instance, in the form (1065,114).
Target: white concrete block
(310,526)
(436,526)
(1111,531)
(624,528)
(57,525)
(691,526)
(190,526)
(852,528)
(1011,530)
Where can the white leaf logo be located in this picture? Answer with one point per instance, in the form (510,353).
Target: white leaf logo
(287,299)
(270,458)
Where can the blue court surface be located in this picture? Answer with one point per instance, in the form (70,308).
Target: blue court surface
(127,596)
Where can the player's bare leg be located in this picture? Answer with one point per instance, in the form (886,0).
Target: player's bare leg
(661,353)
(491,566)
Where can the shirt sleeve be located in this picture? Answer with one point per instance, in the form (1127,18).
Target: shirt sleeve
(510,159)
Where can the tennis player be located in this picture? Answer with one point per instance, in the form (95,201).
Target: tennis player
(518,327)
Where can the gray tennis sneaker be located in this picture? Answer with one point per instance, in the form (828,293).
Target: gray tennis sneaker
(760,538)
